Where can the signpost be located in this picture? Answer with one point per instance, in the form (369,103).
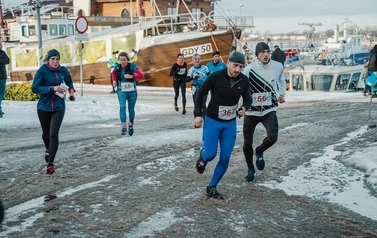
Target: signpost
(81,25)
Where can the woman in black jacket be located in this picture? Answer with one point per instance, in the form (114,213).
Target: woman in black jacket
(179,72)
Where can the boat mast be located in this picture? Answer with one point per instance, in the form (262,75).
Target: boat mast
(38,6)
(2,23)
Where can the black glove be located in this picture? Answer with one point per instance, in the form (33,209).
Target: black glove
(239,109)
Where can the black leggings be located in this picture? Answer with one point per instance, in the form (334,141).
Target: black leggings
(180,83)
(111,82)
(50,123)
(270,123)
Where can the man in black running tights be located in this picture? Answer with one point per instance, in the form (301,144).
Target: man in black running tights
(267,88)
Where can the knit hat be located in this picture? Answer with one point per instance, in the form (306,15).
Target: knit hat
(237,57)
(52,53)
(261,46)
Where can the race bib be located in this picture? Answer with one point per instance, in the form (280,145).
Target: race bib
(127,86)
(193,89)
(181,71)
(227,112)
(261,99)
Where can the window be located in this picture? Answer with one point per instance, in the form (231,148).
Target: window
(23,30)
(62,30)
(32,30)
(53,30)
(321,82)
(196,13)
(44,29)
(342,81)
(125,13)
(71,31)
(172,10)
(354,81)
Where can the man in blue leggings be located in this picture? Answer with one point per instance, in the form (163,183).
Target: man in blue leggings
(220,125)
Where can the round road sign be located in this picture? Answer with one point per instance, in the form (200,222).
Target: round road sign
(81,24)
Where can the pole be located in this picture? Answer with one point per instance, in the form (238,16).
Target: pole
(81,81)
(38,6)
(132,19)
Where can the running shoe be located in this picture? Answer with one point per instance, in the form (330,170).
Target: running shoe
(123,132)
(200,163)
(260,161)
(47,156)
(50,169)
(176,107)
(184,111)
(250,175)
(130,130)
(213,193)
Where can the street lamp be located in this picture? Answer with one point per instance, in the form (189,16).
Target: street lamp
(241,5)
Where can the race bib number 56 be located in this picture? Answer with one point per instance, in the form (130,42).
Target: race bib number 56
(261,99)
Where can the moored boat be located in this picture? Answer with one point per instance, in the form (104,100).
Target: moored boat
(158,39)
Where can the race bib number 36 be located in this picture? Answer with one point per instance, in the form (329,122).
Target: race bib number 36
(127,86)
(261,99)
(227,112)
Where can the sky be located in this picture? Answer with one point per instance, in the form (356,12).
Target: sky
(97,103)
(278,16)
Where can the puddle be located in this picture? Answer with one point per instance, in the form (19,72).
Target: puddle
(326,178)
(14,213)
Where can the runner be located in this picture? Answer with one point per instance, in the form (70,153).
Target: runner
(216,64)
(220,125)
(179,73)
(51,82)
(124,79)
(267,88)
(197,74)
(111,64)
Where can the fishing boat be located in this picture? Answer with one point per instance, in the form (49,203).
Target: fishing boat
(348,48)
(156,38)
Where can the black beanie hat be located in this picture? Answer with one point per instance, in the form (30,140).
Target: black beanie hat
(52,53)
(237,57)
(261,46)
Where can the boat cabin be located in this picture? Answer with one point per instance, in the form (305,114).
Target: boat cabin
(326,78)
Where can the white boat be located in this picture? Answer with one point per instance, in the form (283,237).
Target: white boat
(328,78)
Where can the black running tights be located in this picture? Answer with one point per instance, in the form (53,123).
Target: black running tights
(50,123)
(270,123)
(180,84)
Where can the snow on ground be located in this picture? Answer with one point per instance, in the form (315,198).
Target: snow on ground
(96,103)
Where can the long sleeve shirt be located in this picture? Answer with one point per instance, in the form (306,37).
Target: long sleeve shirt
(267,82)
(225,95)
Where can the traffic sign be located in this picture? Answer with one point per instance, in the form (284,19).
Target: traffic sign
(81,24)
(81,37)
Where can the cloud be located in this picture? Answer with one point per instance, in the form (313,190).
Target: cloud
(296,8)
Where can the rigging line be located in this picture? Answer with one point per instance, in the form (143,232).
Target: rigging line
(230,22)
(214,42)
